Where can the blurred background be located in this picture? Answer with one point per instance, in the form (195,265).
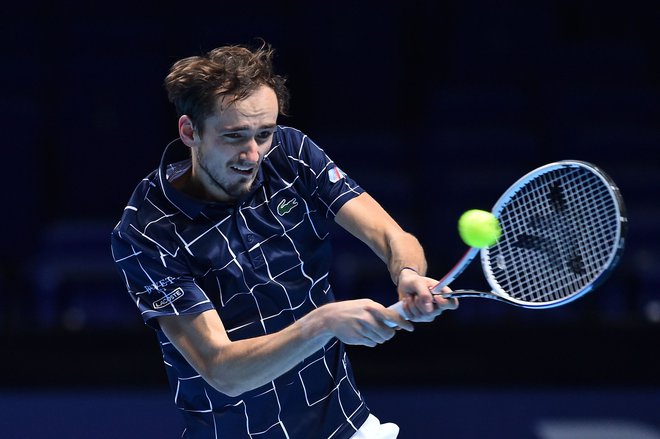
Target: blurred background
(435,107)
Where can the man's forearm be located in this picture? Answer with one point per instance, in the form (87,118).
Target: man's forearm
(248,364)
(234,367)
(405,251)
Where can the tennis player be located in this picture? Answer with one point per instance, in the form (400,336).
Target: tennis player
(226,252)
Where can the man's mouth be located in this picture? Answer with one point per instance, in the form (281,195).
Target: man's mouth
(243,169)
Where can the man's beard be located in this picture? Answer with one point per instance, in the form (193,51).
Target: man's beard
(233,190)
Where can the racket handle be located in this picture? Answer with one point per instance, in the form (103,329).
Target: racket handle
(398,307)
(469,255)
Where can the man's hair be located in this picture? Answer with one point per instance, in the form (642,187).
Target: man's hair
(195,84)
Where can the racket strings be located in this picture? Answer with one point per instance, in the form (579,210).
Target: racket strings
(558,229)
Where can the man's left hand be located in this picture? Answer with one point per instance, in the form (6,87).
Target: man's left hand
(418,301)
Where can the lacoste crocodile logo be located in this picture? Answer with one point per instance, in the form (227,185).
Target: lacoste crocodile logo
(286,206)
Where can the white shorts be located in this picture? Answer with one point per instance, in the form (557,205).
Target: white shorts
(373,429)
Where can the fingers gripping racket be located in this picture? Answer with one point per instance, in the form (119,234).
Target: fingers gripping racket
(563,231)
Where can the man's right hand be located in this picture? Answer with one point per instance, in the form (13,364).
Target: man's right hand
(362,322)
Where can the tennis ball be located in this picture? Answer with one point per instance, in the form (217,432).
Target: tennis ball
(479,228)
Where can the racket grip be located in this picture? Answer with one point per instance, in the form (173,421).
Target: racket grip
(398,307)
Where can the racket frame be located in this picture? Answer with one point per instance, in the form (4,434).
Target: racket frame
(497,292)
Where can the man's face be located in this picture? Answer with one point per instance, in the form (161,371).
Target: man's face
(236,137)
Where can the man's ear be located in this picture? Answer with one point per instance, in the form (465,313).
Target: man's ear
(187,131)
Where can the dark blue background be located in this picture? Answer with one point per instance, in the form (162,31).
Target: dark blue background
(434,107)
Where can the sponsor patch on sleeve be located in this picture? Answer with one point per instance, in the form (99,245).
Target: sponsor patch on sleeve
(169,298)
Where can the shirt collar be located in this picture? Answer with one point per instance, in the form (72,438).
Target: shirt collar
(176,160)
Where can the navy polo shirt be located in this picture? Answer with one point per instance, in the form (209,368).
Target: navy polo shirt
(261,263)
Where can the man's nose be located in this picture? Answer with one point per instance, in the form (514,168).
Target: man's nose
(251,152)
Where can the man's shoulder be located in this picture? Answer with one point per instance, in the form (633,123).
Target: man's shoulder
(288,139)
(284,150)
(290,133)
(294,145)
(146,204)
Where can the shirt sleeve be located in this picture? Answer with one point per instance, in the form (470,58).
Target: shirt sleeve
(322,176)
(155,275)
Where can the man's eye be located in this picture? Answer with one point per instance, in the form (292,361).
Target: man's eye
(232,136)
(265,135)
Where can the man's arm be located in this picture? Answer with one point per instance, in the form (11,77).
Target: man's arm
(234,367)
(364,218)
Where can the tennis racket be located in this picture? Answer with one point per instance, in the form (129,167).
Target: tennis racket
(563,231)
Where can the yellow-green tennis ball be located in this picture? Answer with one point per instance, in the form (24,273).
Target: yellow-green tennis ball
(479,228)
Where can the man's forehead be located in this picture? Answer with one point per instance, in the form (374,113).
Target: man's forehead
(261,95)
(245,114)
